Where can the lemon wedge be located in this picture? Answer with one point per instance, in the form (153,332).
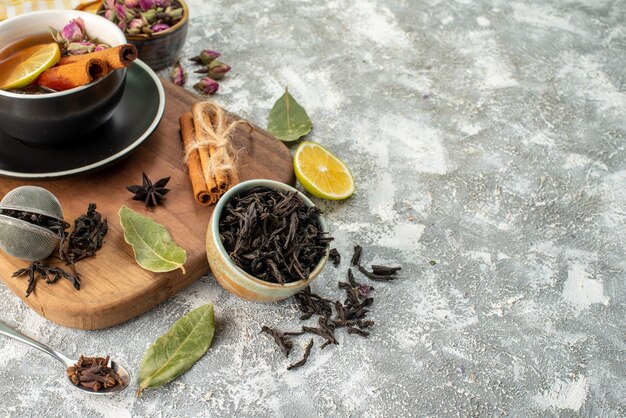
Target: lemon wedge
(321,173)
(23,67)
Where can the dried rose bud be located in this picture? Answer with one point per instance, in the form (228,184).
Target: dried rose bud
(149,17)
(109,4)
(109,15)
(134,26)
(101,47)
(179,75)
(174,14)
(206,56)
(123,14)
(57,37)
(74,31)
(146,4)
(131,3)
(217,70)
(207,86)
(163,3)
(159,27)
(79,48)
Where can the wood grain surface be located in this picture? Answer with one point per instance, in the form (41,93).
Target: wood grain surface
(114,287)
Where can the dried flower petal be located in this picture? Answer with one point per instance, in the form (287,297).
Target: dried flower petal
(179,75)
(131,3)
(74,31)
(146,4)
(79,48)
(159,27)
(207,86)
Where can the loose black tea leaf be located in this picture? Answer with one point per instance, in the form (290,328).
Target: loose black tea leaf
(376,277)
(93,373)
(86,238)
(311,304)
(326,330)
(334,256)
(302,362)
(273,235)
(39,270)
(385,270)
(353,330)
(351,314)
(151,194)
(356,257)
(284,343)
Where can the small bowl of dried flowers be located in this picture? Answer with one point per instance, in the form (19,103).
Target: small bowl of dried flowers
(266,241)
(158,28)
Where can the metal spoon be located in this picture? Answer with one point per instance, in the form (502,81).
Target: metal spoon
(121,372)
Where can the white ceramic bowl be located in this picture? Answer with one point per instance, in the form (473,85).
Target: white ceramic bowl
(236,280)
(48,119)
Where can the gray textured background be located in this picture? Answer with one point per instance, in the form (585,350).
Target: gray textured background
(487,136)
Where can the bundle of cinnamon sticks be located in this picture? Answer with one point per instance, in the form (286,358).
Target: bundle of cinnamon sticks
(209,153)
(78,70)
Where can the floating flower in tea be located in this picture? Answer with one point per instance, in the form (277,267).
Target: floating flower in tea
(74,31)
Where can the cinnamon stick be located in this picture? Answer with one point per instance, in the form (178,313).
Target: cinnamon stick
(209,152)
(200,190)
(204,152)
(117,57)
(212,129)
(80,73)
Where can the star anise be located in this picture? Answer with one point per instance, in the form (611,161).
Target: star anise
(151,194)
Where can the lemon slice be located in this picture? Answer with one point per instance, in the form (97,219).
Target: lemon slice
(23,67)
(321,173)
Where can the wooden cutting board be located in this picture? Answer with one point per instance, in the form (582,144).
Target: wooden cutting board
(114,287)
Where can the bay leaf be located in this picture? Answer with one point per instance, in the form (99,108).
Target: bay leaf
(176,351)
(288,121)
(153,246)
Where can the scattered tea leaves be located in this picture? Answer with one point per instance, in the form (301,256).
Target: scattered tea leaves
(356,257)
(288,121)
(39,270)
(153,245)
(334,256)
(376,277)
(351,314)
(385,270)
(281,338)
(178,349)
(302,362)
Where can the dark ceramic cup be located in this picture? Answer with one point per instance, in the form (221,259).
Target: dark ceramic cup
(54,118)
